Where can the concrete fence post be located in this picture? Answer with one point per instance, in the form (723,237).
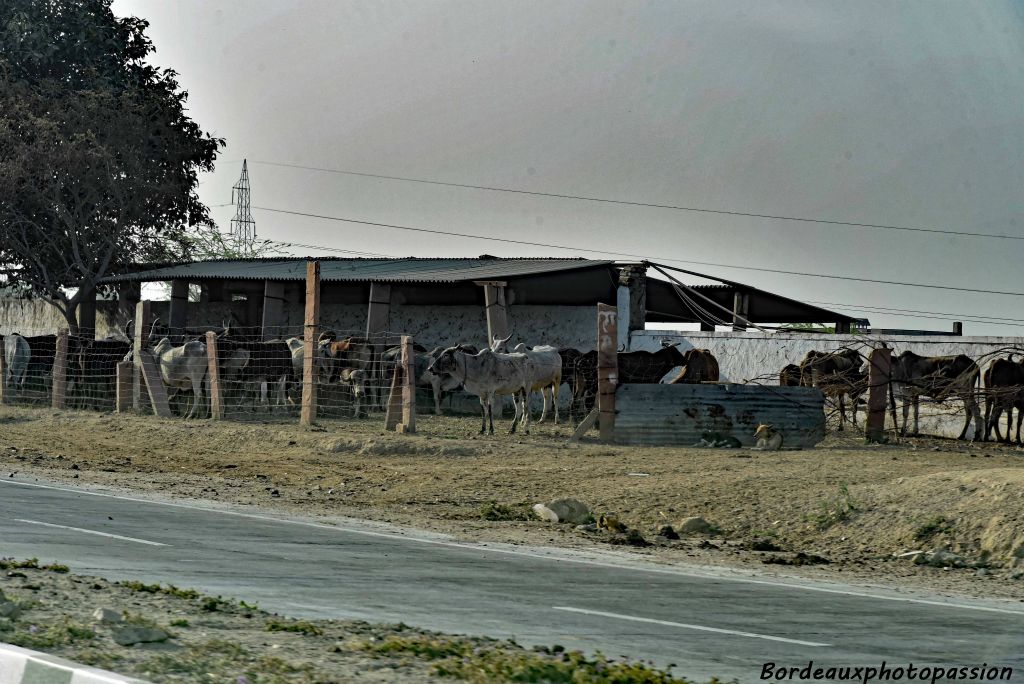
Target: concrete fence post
(143,319)
(125,375)
(3,370)
(607,368)
(880,361)
(312,331)
(213,377)
(408,424)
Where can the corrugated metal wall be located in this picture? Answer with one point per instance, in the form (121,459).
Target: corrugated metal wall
(681,414)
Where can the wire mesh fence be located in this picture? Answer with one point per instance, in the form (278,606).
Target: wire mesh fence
(258,378)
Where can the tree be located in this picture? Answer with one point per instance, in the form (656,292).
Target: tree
(99,161)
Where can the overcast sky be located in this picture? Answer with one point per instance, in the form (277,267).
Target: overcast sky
(896,113)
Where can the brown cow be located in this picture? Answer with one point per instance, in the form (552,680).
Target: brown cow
(836,374)
(789,376)
(701,366)
(1004,390)
(938,377)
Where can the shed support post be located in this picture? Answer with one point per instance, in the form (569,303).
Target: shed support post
(706,327)
(378,320)
(740,304)
(878,392)
(312,331)
(494,303)
(632,302)
(408,424)
(178,316)
(60,370)
(87,315)
(607,368)
(128,295)
(273,309)
(213,377)
(3,370)
(842,327)
(143,318)
(958,328)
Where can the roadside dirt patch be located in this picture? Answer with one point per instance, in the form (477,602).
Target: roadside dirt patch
(851,504)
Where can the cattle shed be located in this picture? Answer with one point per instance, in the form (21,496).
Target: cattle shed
(442,300)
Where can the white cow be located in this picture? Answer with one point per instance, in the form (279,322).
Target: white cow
(545,374)
(489,374)
(17,355)
(183,368)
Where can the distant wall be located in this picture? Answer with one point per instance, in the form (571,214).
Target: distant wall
(755,356)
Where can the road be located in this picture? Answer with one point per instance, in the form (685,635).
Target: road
(722,623)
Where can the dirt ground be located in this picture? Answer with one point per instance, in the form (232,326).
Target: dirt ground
(195,638)
(853,505)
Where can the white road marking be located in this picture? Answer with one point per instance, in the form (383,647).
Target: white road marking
(684,625)
(678,572)
(99,534)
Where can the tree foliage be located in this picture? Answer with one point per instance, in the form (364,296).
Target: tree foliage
(99,160)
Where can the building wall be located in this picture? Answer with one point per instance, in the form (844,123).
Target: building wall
(758,357)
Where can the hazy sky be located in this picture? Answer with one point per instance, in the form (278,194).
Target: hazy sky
(876,112)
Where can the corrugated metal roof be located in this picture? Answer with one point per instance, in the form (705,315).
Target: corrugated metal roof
(681,414)
(415,270)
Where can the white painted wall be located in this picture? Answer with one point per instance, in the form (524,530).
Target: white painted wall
(758,357)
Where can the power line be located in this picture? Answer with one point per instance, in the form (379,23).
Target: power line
(652,205)
(636,256)
(957,316)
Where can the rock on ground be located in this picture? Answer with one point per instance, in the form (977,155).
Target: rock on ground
(564,510)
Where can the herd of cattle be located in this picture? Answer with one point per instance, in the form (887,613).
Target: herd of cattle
(844,373)
(269,374)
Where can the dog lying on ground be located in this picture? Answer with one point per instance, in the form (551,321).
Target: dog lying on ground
(768,438)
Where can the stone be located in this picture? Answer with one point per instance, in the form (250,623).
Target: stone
(107,615)
(591,527)
(695,525)
(564,510)
(940,558)
(9,609)
(667,532)
(127,636)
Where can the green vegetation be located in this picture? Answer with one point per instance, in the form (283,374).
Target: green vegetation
(41,639)
(180,622)
(932,527)
(496,511)
(32,563)
(297,626)
(169,590)
(839,508)
(496,661)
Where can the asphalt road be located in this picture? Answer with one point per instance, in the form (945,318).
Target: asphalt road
(709,623)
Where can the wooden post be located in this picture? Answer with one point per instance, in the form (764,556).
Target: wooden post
(60,370)
(3,370)
(213,377)
(878,393)
(178,314)
(155,386)
(143,319)
(408,425)
(273,309)
(125,374)
(740,303)
(312,331)
(393,416)
(494,307)
(607,368)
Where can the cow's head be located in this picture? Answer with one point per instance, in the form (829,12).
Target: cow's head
(356,379)
(445,363)
(500,345)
